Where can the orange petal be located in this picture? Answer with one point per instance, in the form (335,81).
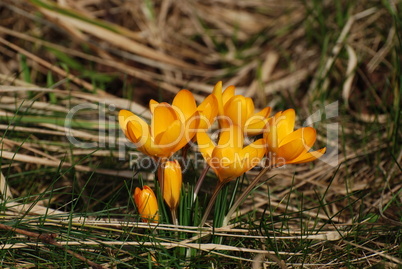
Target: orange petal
(225,155)
(225,163)
(264,113)
(135,133)
(152,105)
(227,94)
(256,123)
(184,100)
(249,107)
(124,117)
(208,111)
(153,150)
(231,137)
(134,127)
(217,91)
(227,174)
(171,135)
(205,145)
(237,110)
(146,203)
(292,149)
(285,122)
(190,129)
(164,116)
(172,181)
(271,135)
(144,144)
(256,128)
(137,193)
(309,156)
(255,149)
(243,160)
(307,134)
(252,154)
(233,110)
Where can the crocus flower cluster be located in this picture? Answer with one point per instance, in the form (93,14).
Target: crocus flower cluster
(175,125)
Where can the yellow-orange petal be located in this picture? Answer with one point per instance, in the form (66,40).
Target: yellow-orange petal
(146,203)
(152,105)
(164,115)
(124,117)
(237,110)
(231,137)
(243,160)
(256,128)
(227,94)
(285,123)
(208,111)
(184,100)
(138,132)
(171,135)
(249,107)
(217,91)
(135,128)
(309,156)
(205,144)
(172,181)
(145,145)
(229,173)
(255,150)
(263,113)
(224,156)
(252,154)
(258,122)
(292,149)
(190,129)
(225,162)
(152,150)
(137,196)
(271,136)
(307,134)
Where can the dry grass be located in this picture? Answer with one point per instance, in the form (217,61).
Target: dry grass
(118,54)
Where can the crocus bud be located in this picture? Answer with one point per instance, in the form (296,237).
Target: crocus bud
(172,179)
(147,204)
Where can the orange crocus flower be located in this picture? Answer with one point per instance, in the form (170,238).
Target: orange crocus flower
(286,146)
(229,158)
(239,110)
(172,126)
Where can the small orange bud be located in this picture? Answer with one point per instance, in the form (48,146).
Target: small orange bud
(172,180)
(147,204)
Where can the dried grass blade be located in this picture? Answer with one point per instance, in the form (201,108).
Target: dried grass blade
(117,39)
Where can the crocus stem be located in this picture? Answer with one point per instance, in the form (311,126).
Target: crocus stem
(173,211)
(200,180)
(218,187)
(161,162)
(244,194)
